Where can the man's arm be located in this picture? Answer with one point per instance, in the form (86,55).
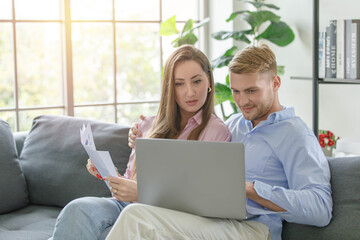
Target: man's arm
(307,200)
(252,194)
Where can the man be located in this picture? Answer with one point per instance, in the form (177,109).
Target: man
(288,177)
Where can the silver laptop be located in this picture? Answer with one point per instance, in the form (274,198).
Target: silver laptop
(201,178)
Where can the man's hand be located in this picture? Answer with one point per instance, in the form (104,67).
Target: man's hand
(134,133)
(252,194)
(123,189)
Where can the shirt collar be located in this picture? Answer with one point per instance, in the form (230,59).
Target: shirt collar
(285,113)
(197,117)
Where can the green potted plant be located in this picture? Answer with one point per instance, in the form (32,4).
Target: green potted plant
(277,32)
(186,35)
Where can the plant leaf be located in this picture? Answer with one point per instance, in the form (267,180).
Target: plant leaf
(224,60)
(222,93)
(255,19)
(234,14)
(280,70)
(189,38)
(231,51)
(203,22)
(279,33)
(168,27)
(259,5)
(227,80)
(221,61)
(239,35)
(188,26)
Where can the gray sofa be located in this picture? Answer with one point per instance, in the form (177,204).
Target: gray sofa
(41,171)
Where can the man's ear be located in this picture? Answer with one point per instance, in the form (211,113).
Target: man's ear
(276,81)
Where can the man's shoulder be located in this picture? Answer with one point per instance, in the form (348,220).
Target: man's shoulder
(234,119)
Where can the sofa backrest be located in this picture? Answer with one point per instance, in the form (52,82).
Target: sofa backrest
(13,191)
(54,161)
(345,186)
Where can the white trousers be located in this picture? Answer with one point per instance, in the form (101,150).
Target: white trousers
(139,221)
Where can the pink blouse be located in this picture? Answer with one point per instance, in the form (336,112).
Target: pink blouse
(215,131)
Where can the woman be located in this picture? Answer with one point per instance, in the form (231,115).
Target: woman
(185,112)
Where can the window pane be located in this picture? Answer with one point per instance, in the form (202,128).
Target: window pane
(39,64)
(183,10)
(91,9)
(99,113)
(93,62)
(138,61)
(5,9)
(137,10)
(37,9)
(6,66)
(8,117)
(129,113)
(26,117)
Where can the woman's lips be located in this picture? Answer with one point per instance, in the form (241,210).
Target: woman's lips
(192,102)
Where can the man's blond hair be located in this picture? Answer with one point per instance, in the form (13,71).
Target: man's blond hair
(254,59)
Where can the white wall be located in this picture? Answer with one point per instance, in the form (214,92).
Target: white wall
(339,104)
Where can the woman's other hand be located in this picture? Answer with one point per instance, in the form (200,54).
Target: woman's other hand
(123,189)
(134,133)
(92,169)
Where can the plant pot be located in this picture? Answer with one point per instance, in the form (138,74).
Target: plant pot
(328,151)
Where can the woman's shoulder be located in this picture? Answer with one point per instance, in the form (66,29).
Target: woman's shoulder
(216,130)
(146,124)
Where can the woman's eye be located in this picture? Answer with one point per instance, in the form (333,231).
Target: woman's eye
(197,81)
(178,84)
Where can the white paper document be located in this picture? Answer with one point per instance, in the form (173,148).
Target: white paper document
(101,159)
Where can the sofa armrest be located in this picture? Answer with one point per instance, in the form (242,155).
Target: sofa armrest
(19,140)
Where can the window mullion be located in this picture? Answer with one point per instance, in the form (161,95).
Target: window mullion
(69,81)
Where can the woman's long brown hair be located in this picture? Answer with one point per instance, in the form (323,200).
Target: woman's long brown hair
(168,119)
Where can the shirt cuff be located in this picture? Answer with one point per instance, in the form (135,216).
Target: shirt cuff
(263,190)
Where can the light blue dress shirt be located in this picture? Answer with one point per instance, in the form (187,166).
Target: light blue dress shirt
(285,161)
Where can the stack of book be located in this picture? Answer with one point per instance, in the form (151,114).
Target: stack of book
(339,50)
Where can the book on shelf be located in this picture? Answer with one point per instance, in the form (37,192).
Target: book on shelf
(340,49)
(352,37)
(321,54)
(330,50)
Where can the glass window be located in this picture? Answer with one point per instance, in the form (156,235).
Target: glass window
(99,113)
(130,10)
(130,113)
(39,64)
(184,9)
(115,57)
(93,62)
(26,117)
(9,117)
(138,61)
(6,66)
(5,9)
(37,9)
(91,9)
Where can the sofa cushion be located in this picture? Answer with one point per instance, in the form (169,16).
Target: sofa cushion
(31,222)
(53,158)
(13,191)
(345,186)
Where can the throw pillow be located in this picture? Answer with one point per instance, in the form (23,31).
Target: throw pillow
(13,191)
(54,160)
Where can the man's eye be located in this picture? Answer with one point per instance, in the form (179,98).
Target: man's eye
(252,91)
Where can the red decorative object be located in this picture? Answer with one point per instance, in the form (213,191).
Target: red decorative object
(327,139)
